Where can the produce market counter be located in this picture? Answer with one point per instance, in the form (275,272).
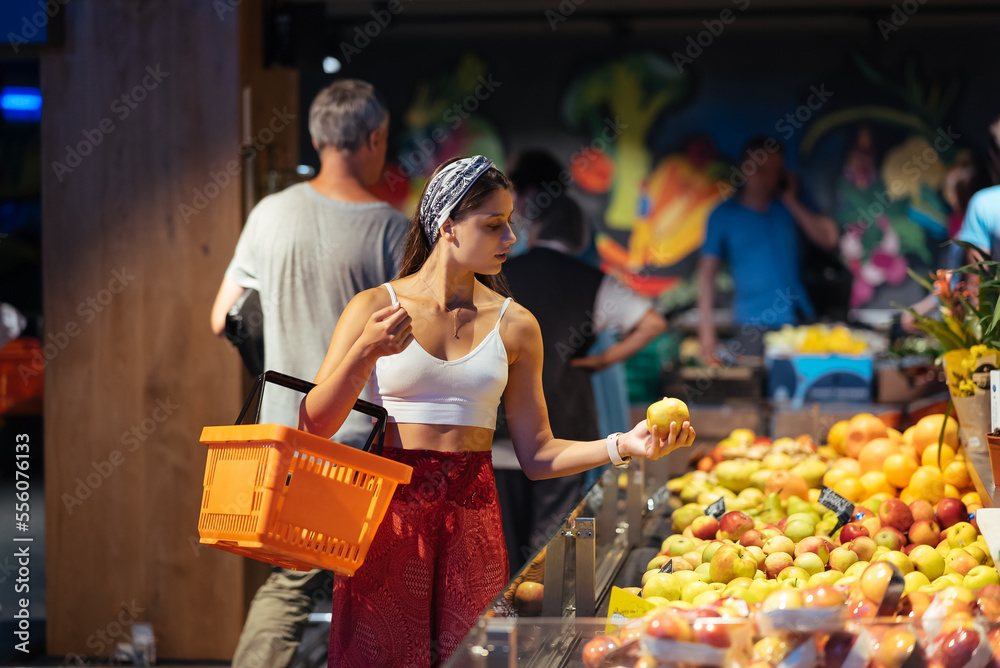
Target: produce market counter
(982,476)
(562,595)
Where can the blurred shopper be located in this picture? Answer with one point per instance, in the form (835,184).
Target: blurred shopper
(573,303)
(439,347)
(308,250)
(967,176)
(982,222)
(757,233)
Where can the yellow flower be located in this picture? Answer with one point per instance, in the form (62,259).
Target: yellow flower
(966,388)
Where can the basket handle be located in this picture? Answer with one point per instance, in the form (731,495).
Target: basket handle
(292,383)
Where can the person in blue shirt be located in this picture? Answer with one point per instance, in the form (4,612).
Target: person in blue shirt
(981,226)
(757,233)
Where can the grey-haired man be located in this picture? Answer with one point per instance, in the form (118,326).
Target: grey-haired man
(308,250)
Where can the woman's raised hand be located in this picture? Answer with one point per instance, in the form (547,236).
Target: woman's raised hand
(640,442)
(387,332)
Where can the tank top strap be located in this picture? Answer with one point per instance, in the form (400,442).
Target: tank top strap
(392,294)
(503,309)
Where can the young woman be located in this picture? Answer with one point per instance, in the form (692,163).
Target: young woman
(440,346)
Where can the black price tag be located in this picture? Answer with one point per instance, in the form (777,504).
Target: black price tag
(668,567)
(717,509)
(838,504)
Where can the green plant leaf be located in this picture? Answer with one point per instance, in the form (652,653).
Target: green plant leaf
(870,112)
(944,424)
(993,321)
(922,281)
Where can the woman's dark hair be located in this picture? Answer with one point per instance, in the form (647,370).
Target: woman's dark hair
(418,249)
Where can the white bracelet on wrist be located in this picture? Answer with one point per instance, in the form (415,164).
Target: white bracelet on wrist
(613,453)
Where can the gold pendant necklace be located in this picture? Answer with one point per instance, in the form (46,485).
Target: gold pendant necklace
(454,310)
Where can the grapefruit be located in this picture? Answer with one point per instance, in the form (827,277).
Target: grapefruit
(861,430)
(927,430)
(874,454)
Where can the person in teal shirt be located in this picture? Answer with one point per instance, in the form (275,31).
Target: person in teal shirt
(757,233)
(981,226)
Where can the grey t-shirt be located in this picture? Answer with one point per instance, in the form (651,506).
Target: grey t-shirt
(308,255)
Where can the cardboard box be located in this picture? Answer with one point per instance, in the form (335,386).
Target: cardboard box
(714,385)
(901,383)
(801,379)
(814,419)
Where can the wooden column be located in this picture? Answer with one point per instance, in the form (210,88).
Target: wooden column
(141,211)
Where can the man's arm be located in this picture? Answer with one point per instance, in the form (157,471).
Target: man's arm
(651,325)
(229,292)
(821,230)
(708,266)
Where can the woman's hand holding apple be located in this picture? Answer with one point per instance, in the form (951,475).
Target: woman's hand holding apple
(641,442)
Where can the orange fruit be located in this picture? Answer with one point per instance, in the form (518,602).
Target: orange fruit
(851,489)
(875,482)
(971,497)
(927,430)
(951,491)
(787,484)
(895,436)
(835,475)
(860,430)
(910,451)
(908,437)
(907,495)
(873,455)
(848,464)
(835,437)
(899,468)
(928,484)
(930,456)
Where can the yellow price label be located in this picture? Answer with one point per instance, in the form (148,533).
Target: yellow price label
(624,606)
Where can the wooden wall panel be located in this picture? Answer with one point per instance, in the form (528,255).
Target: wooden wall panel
(140,372)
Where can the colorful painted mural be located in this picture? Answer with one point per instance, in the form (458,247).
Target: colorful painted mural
(893,212)
(440,123)
(889,143)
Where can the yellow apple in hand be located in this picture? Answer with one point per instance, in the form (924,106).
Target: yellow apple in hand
(665,411)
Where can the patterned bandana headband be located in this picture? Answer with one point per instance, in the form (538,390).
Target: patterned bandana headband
(447,189)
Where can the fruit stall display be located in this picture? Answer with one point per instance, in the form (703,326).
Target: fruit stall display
(862,552)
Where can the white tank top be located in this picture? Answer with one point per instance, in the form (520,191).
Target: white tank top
(417,387)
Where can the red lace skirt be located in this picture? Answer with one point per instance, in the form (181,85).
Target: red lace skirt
(436,562)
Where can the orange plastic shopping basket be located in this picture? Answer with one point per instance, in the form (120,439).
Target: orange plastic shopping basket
(294,499)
